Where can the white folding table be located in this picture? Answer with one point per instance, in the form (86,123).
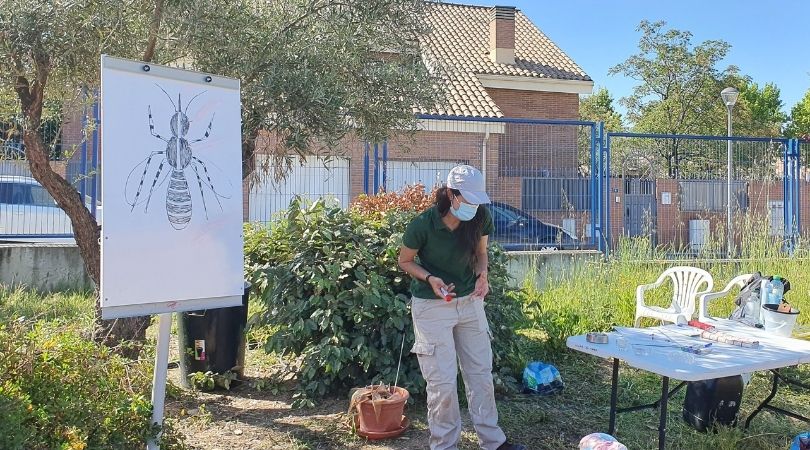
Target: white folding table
(663,357)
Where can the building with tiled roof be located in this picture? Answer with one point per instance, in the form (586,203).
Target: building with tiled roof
(494,65)
(481,48)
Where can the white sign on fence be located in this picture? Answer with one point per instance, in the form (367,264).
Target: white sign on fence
(172,190)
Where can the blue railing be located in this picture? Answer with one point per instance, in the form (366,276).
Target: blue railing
(27,211)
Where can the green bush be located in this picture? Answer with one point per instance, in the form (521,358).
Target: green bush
(340,304)
(61,391)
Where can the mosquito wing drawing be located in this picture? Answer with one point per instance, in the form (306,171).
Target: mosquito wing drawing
(177,163)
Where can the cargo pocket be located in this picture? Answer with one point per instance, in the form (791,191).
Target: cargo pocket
(426,353)
(483,323)
(423,349)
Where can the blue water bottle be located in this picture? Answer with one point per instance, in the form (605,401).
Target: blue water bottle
(776,291)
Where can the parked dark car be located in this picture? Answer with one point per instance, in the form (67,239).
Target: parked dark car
(517,230)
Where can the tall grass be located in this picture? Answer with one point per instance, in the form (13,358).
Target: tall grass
(598,294)
(74,306)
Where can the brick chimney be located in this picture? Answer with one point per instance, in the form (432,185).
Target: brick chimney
(502,34)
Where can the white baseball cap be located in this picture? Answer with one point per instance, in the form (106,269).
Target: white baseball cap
(470,181)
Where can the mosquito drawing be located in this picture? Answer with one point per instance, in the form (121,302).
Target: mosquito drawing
(180,157)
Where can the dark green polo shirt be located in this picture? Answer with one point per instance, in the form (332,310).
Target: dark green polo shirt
(440,252)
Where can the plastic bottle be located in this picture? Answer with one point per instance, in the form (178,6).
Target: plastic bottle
(775,290)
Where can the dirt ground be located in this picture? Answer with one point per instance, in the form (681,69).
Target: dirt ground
(250,418)
(256,420)
(245,418)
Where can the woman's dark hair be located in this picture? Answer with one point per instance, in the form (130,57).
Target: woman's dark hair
(470,231)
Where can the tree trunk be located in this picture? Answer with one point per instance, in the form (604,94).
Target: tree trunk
(154,27)
(248,156)
(85,229)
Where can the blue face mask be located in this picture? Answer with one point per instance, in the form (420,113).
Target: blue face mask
(465,211)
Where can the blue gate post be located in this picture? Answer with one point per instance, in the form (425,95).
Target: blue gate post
(365,168)
(595,210)
(798,162)
(603,178)
(791,194)
(376,169)
(94,163)
(385,166)
(607,226)
(83,158)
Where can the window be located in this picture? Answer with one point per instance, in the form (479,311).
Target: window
(25,194)
(556,194)
(41,197)
(710,195)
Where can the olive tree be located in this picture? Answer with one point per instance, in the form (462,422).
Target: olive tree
(311,71)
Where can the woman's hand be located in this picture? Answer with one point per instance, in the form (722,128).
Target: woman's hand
(481,286)
(438,284)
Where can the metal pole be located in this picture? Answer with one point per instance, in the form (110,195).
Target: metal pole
(594,189)
(614,390)
(94,164)
(385,166)
(365,169)
(729,237)
(376,169)
(159,377)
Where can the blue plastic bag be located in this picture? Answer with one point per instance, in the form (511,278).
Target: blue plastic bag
(541,378)
(801,442)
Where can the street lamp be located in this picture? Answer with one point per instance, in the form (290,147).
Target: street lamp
(729,96)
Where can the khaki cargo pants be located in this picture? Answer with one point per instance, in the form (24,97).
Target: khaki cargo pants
(446,332)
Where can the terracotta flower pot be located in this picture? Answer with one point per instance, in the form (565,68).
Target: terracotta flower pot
(382,415)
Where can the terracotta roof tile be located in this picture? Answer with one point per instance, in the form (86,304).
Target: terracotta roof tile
(459,43)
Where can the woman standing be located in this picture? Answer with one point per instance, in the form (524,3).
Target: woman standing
(448,288)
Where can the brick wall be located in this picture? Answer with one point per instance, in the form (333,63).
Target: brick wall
(528,149)
(502,34)
(72,132)
(535,105)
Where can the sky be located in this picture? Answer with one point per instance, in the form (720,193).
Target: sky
(770,40)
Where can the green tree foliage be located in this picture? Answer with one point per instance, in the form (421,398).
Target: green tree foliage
(339,303)
(679,88)
(762,113)
(598,107)
(799,124)
(51,52)
(311,72)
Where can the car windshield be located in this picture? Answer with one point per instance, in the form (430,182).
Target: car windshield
(507,215)
(25,194)
(41,197)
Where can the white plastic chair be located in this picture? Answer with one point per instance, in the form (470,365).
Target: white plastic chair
(737,282)
(687,282)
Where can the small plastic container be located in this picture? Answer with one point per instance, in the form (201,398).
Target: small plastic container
(777,322)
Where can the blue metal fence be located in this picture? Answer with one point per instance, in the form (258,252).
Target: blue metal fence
(545,176)
(551,180)
(693,172)
(27,211)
